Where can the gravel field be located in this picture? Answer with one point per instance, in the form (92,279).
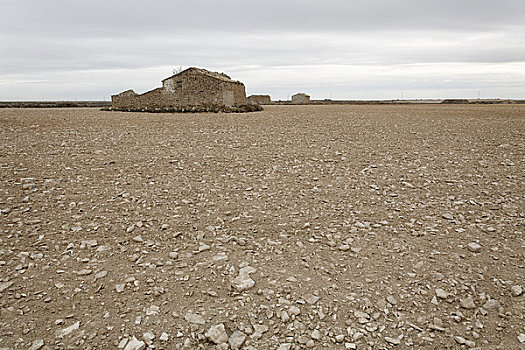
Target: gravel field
(322,227)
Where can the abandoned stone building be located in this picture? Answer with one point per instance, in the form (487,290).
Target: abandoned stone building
(260,99)
(300,98)
(191,88)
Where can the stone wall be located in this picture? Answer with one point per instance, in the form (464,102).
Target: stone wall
(187,89)
(261,99)
(300,98)
(126,99)
(239,93)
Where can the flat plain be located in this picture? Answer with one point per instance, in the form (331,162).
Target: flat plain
(323,227)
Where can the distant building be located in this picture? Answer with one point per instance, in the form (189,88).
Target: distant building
(260,99)
(300,98)
(193,87)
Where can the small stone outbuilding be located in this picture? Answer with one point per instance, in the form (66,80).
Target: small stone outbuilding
(260,99)
(300,98)
(193,88)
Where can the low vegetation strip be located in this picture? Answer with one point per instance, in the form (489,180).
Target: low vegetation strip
(193,109)
(54,104)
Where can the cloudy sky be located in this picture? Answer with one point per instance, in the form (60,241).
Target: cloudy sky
(340,49)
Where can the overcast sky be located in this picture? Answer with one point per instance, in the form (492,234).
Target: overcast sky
(340,49)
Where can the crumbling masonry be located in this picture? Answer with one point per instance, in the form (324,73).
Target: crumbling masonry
(193,89)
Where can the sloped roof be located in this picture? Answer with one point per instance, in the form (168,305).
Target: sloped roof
(215,75)
(127,92)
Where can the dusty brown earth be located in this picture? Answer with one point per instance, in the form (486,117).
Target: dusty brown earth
(335,227)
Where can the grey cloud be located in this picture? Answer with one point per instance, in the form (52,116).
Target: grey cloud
(270,49)
(65,47)
(320,81)
(119,18)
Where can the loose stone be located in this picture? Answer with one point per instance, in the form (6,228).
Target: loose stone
(135,344)
(194,318)
(474,247)
(467,303)
(37,344)
(237,339)
(394,341)
(217,334)
(316,334)
(516,290)
(66,331)
(492,304)
(243,281)
(440,293)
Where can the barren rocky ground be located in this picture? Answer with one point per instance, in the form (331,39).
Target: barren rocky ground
(328,227)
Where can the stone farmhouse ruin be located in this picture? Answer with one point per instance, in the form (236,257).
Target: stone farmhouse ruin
(260,99)
(300,98)
(192,90)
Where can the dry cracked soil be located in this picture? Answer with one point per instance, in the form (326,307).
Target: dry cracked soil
(323,227)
